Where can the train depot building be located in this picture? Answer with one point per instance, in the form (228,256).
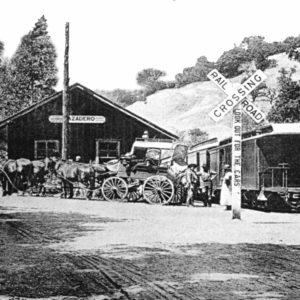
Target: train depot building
(98,128)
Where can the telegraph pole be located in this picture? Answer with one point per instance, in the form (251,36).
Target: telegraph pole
(65,99)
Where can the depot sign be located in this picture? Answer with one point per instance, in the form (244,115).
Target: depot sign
(78,119)
(237,95)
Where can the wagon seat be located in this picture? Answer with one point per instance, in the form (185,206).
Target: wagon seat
(150,163)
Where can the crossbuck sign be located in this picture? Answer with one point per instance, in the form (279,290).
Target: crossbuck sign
(236,98)
(237,95)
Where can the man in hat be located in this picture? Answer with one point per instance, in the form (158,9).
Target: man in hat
(205,179)
(226,190)
(191,181)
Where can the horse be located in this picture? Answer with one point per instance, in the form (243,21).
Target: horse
(15,175)
(8,172)
(71,172)
(41,168)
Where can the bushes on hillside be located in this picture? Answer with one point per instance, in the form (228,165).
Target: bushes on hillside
(286,108)
(252,50)
(123,97)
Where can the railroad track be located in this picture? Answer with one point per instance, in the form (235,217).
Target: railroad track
(121,276)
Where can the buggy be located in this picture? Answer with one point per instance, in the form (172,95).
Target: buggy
(144,173)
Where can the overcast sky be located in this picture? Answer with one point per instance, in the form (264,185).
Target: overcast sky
(112,40)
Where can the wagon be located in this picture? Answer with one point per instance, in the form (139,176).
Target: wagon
(144,173)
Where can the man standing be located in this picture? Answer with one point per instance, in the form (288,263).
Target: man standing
(191,181)
(205,178)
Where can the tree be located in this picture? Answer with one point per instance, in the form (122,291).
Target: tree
(149,79)
(203,67)
(230,61)
(292,45)
(32,67)
(286,108)
(6,90)
(259,50)
(5,79)
(196,73)
(197,135)
(192,136)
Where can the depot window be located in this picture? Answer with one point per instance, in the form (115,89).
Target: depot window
(107,149)
(45,148)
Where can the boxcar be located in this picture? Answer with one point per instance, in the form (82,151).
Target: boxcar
(270,166)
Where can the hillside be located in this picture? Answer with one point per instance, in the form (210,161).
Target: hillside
(188,107)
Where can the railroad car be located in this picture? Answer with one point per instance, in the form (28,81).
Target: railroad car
(270,166)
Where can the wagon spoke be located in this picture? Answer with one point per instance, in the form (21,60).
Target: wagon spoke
(152,184)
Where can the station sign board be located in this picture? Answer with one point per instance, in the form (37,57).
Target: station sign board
(78,119)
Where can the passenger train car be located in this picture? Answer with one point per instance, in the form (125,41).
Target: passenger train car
(270,166)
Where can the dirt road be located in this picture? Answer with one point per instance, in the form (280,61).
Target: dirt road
(53,248)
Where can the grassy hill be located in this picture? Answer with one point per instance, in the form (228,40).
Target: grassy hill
(188,107)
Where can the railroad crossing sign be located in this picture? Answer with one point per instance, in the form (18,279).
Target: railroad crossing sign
(237,95)
(235,101)
(78,119)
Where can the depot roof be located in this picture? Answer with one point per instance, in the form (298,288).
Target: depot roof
(93,94)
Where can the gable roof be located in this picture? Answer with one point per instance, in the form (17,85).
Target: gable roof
(93,94)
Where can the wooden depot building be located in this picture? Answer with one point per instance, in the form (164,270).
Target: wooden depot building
(99,129)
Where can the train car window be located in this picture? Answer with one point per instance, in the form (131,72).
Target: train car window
(140,153)
(222,161)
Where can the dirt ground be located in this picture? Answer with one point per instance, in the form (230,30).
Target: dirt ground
(53,248)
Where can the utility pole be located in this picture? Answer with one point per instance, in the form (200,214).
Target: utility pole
(65,100)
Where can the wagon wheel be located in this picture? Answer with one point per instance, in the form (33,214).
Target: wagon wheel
(114,188)
(158,190)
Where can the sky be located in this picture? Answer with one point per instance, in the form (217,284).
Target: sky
(112,40)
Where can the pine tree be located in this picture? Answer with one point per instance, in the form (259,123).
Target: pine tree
(33,70)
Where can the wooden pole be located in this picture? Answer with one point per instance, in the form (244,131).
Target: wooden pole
(65,99)
(236,162)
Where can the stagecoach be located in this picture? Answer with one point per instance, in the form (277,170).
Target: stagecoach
(144,173)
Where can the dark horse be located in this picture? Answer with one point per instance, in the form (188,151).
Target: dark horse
(41,168)
(71,172)
(16,175)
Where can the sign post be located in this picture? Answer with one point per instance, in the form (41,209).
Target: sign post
(237,101)
(65,100)
(236,161)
